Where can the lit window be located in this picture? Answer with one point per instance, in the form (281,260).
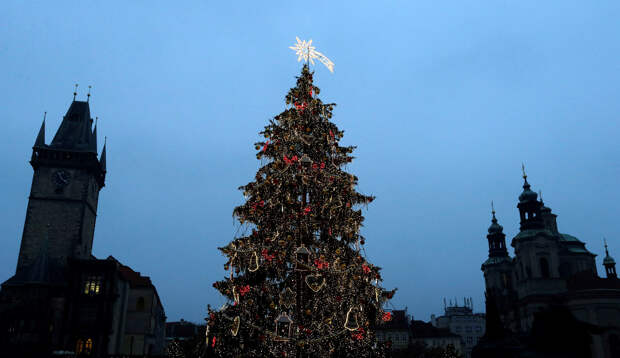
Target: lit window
(92,285)
(84,347)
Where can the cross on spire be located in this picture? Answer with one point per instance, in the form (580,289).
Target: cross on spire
(75,91)
(605,242)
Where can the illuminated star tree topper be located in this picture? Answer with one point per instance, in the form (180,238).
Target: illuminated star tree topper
(304,50)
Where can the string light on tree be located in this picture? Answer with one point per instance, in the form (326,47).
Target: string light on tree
(298,283)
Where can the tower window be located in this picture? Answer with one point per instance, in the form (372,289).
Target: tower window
(84,346)
(92,285)
(544,267)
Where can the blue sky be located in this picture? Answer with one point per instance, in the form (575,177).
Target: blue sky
(444,99)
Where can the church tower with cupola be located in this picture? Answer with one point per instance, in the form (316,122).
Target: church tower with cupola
(610,264)
(498,270)
(62,206)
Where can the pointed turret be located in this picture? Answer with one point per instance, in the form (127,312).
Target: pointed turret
(549,219)
(496,237)
(102,160)
(529,207)
(74,132)
(610,264)
(40,141)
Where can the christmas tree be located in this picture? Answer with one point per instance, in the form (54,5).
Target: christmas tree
(298,284)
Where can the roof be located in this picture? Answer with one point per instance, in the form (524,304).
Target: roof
(532,233)
(134,278)
(75,131)
(567,237)
(497,260)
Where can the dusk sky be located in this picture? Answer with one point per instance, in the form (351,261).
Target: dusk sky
(444,99)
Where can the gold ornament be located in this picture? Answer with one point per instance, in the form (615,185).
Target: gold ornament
(351,321)
(315,282)
(235,294)
(235,326)
(253,262)
(287,298)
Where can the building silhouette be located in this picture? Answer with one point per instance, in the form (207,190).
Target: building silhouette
(62,298)
(552,278)
(462,321)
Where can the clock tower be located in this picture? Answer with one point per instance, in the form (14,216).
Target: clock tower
(62,207)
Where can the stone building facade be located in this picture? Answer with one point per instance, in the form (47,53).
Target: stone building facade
(62,298)
(551,270)
(462,321)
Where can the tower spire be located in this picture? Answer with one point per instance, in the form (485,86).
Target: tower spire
(40,141)
(526,185)
(102,159)
(496,237)
(88,95)
(609,263)
(75,91)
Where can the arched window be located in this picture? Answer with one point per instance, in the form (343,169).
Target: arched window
(84,346)
(140,304)
(544,267)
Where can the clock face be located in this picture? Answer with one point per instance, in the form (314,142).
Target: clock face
(61,178)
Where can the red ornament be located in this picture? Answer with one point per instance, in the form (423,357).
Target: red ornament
(387,316)
(359,335)
(306,210)
(294,158)
(266,144)
(322,165)
(310,91)
(366,268)
(266,255)
(301,107)
(315,166)
(244,289)
(213,342)
(321,264)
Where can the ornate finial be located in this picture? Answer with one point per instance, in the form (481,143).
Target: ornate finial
(88,95)
(75,91)
(523,170)
(492,208)
(304,50)
(96,120)
(605,242)
(44,116)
